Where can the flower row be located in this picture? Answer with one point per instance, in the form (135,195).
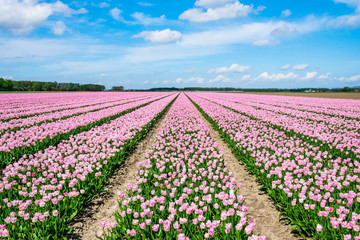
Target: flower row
(183,189)
(18,123)
(22,105)
(318,192)
(334,134)
(40,193)
(35,134)
(338,107)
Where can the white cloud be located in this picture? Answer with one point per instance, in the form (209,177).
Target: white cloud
(59,28)
(216,40)
(310,75)
(147,20)
(276,77)
(21,17)
(233,68)
(352,20)
(246,77)
(116,14)
(301,66)
(190,80)
(103,5)
(7,77)
(164,36)
(145,4)
(231,10)
(286,67)
(324,76)
(220,78)
(211,3)
(286,13)
(265,42)
(352,3)
(354,78)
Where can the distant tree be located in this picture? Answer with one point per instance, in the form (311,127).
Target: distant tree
(117,88)
(6,85)
(346,89)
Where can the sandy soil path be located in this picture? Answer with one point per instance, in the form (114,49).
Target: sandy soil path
(86,225)
(260,206)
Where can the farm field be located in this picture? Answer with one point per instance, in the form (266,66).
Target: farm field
(341,95)
(197,165)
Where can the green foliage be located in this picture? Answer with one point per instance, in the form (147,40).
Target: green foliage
(10,85)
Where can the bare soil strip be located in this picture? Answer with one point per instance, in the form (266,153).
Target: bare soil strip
(86,224)
(260,206)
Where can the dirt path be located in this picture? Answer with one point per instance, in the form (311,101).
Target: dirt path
(260,206)
(86,225)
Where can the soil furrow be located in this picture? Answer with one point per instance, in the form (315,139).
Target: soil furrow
(101,208)
(260,206)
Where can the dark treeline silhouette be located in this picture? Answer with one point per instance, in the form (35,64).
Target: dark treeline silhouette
(11,85)
(117,89)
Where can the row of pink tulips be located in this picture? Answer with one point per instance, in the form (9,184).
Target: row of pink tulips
(184,189)
(334,121)
(40,193)
(33,135)
(338,107)
(318,192)
(332,134)
(13,106)
(19,123)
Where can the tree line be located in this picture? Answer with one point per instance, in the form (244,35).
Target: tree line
(229,89)
(11,85)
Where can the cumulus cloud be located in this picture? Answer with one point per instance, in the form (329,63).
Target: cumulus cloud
(324,76)
(213,41)
(283,30)
(59,28)
(354,78)
(164,36)
(230,10)
(286,67)
(144,19)
(233,68)
(310,75)
(220,78)
(103,5)
(353,3)
(21,17)
(190,80)
(286,13)
(276,77)
(352,20)
(265,42)
(301,66)
(116,14)
(7,77)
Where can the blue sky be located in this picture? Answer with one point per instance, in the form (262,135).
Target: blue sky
(152,43)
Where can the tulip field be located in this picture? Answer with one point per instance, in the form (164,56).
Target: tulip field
(58,150)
